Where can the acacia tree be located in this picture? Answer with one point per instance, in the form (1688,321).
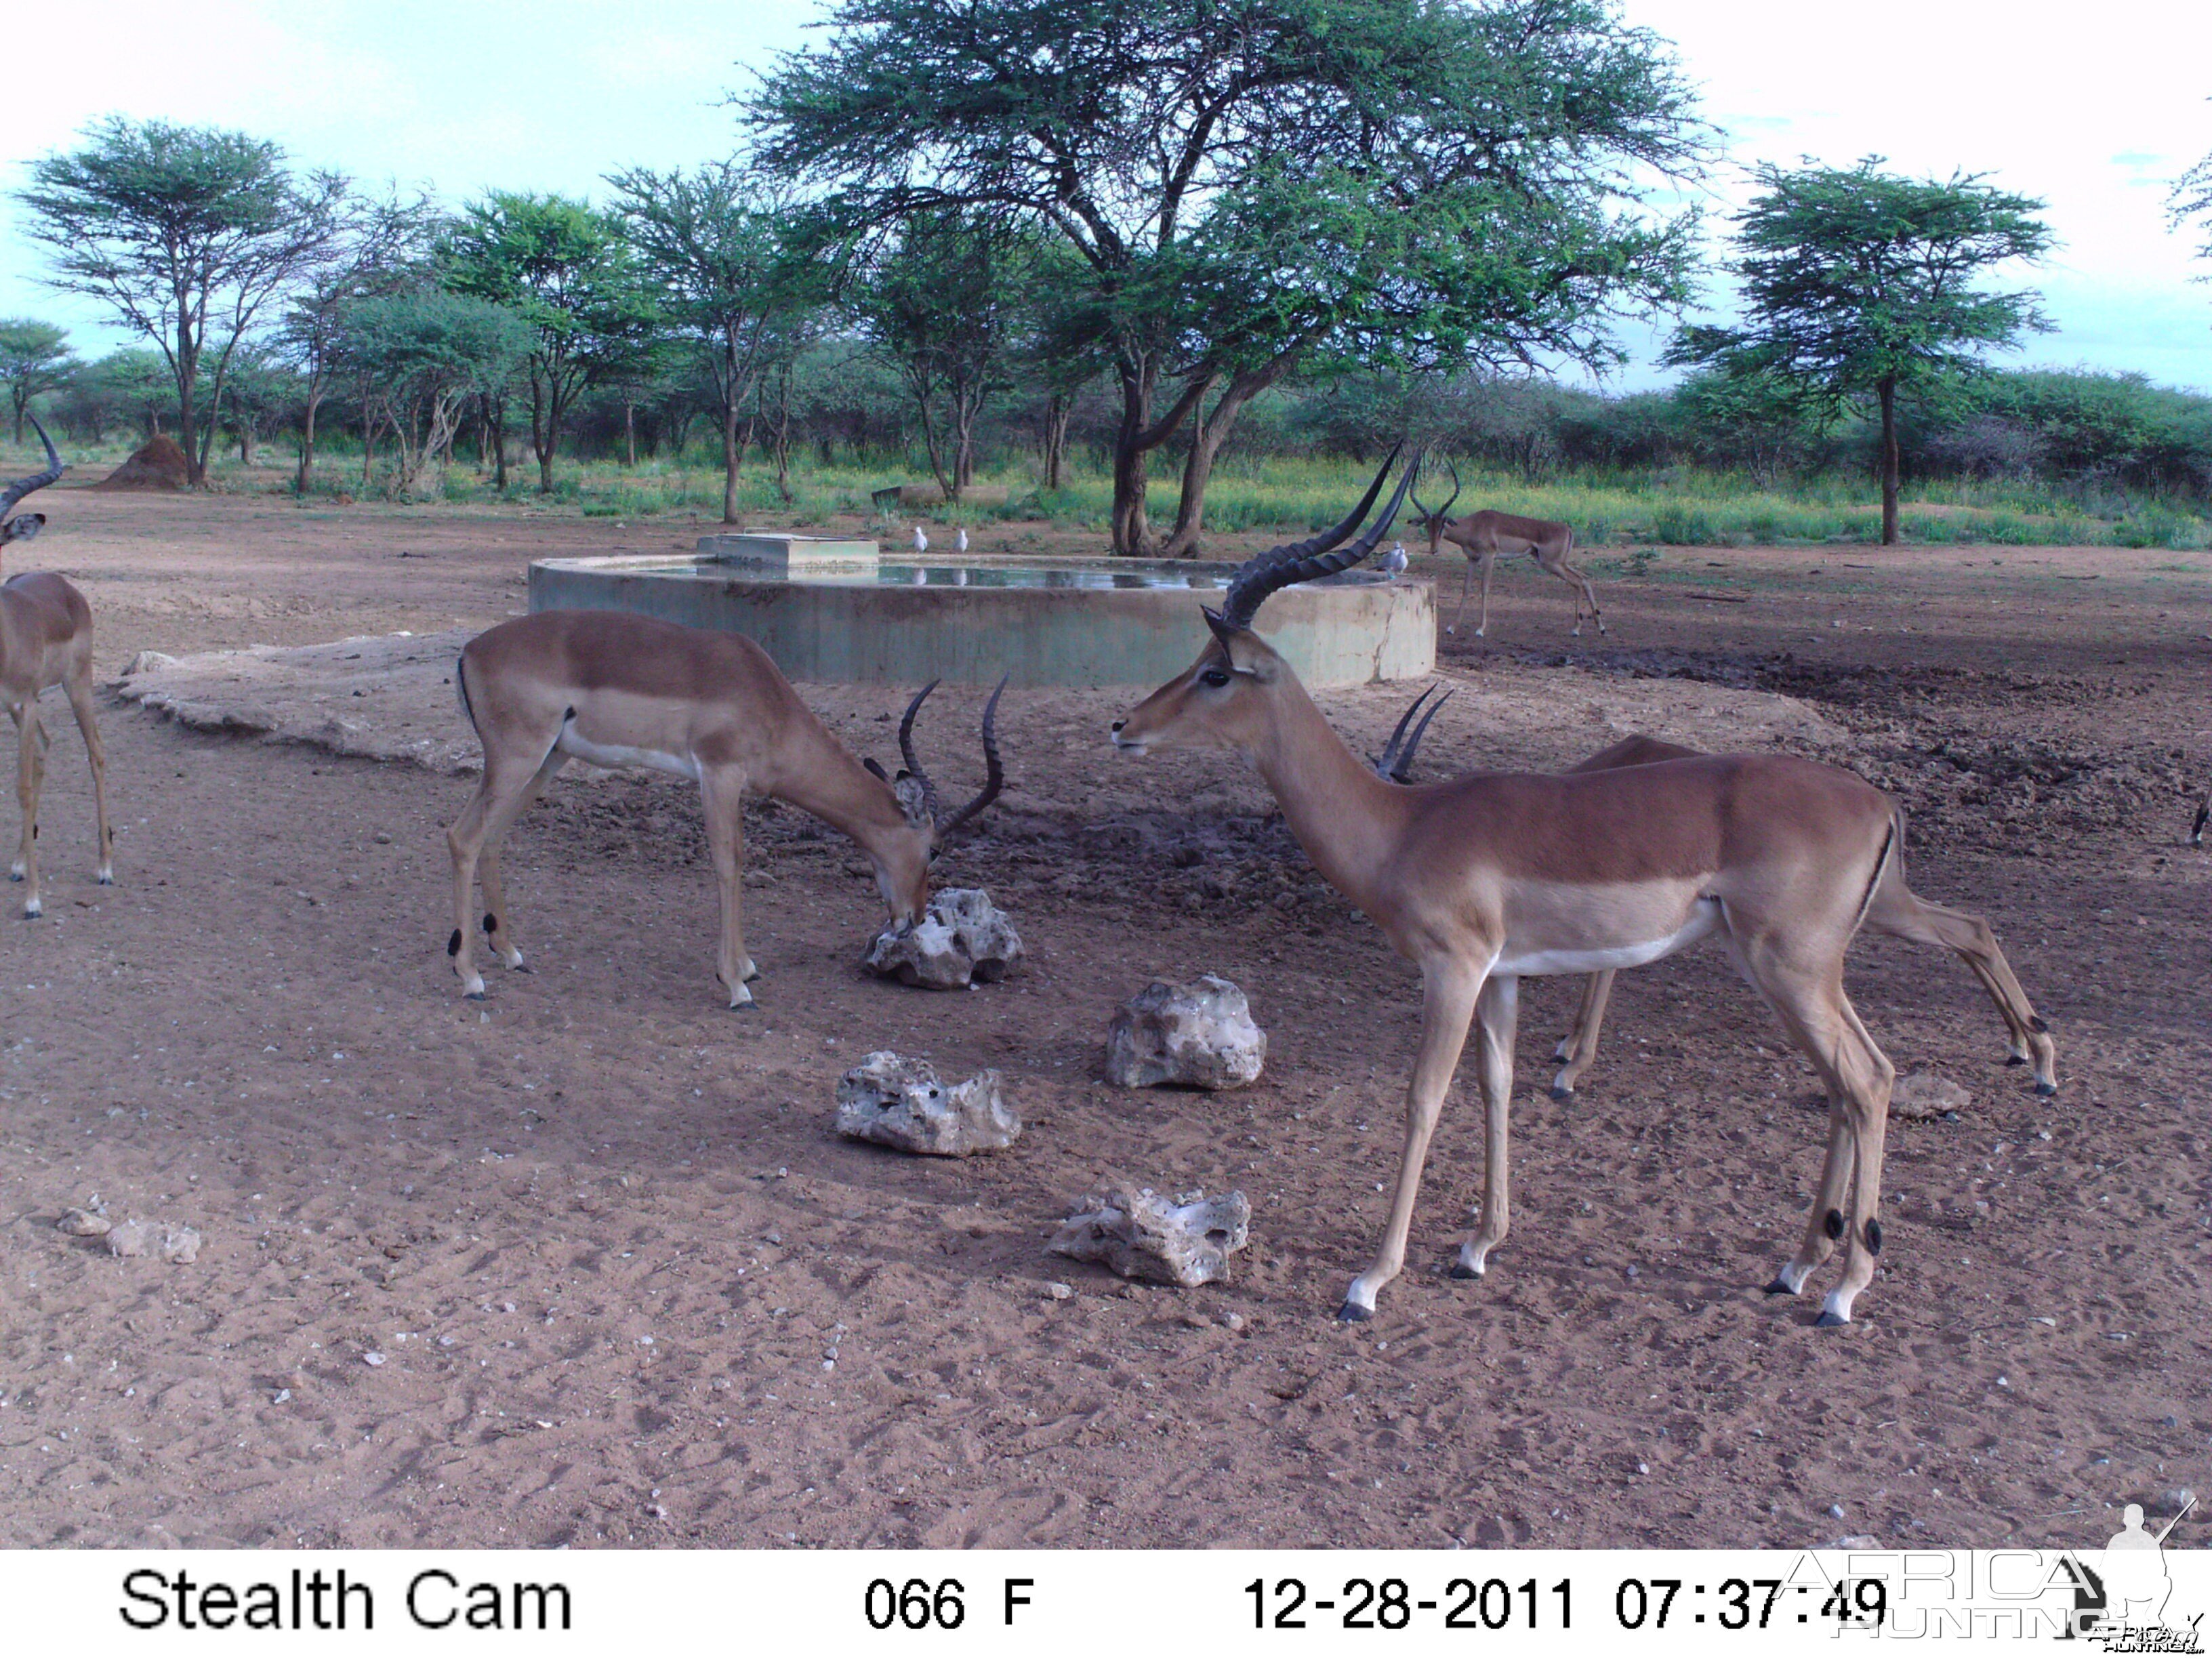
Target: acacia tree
(187,234)
(378,248)
(724,249)
(1252,185)
(424,357)
(944,304)
(35,357)
(1859,285)
(566,269)
(2191,198)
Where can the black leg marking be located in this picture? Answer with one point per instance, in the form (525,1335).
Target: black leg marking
(2035,1023)
(2015,1060)
(1834,1224)
(491,923)
(1873,1235)
(453,945)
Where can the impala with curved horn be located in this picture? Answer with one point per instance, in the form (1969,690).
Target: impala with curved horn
(624,691)
(1483,536)
(1487,878)
(45,639)
(1909,917)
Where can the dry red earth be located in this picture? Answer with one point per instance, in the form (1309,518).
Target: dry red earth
(631,1289)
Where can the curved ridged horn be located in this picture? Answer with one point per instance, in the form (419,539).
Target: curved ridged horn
(994,775)
(906,749)
(1395,765)
(23,487)
(1444,512)
(1298,561)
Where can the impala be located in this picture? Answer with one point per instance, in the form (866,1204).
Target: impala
(624,691)
(1912,918)
(45,639)
(1484,879)
(1483,536)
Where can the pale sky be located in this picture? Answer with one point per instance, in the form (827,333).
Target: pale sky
(2092,109)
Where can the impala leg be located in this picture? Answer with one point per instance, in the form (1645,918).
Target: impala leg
(78,688)
(1449,994)
(1497,1013)
(1822,1022)
(1579,1046)
(722,794)
(499,916)
(30,775)
(1489,567)
(1466,583)
(507,775)
(1584,593)
(1903,914)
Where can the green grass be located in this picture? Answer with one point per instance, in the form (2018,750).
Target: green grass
(1669,506)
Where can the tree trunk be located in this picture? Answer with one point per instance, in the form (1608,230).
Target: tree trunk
(496,419)
(1134,440)
(308,439)
(22,398)
(629,434)
(367,448)
(1887,388)
(187,382)
(1057,410)
(730,459)
(1212,431)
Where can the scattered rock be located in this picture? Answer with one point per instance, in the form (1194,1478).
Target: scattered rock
(962,939)
(147,662)
(372,1357)
(1199,1035)
(163,1238)
(1141,1235)
(900,1102)
(1057,1291)
(83,1224)
(2175,1499)
(1920,1094)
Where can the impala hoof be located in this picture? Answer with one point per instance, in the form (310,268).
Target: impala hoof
(2015,1060)
(519,967)
(1560,1091)
(1352,1314)
(2043,1088)
(476,996)
(105,878)
(34,910)
(1461,1270)
(1778,1286)
(1828,1322)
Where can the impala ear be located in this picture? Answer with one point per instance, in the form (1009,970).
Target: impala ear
(22,527)
(874,766)
(913,799)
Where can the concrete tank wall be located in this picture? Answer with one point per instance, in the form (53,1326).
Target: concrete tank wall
(877,634)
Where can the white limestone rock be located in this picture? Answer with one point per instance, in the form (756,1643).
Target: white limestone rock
(1141,1235)
(1199,1035)
(962,939)
(900,1102)
(1925,1095)
(163,1238)
(84,1224)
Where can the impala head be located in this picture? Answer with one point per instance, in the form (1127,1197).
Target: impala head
(24,525)
(903,859)
(1433,524)
(1222,699)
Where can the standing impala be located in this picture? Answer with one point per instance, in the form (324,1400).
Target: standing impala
(1917,918)
(618,689)
(1483,536)
(1482,879)
(45,639)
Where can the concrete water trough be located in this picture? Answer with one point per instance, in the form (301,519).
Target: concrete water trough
(841,612)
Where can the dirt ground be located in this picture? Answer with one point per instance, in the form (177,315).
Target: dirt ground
(629,1289)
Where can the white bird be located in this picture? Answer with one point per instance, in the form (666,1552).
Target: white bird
(920,541)
(960,542)
(1394,562)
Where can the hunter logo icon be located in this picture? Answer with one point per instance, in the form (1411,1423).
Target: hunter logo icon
(2120,1603)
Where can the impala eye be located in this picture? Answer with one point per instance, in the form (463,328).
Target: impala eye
(1215,677)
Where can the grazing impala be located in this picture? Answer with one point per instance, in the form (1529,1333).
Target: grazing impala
(1487,878)
(1913,918)
(1483,536)
(618,689)
(45,639)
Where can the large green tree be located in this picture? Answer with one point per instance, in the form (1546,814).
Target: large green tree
(945,303)
(187,234)
(566,269)
(727,253)
(1859,286)
(35,357)
(1256,185)
(425,357)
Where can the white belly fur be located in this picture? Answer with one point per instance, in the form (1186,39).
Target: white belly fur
(620,755)
(1705,917)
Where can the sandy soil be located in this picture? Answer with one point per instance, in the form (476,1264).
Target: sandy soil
(629,1288)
